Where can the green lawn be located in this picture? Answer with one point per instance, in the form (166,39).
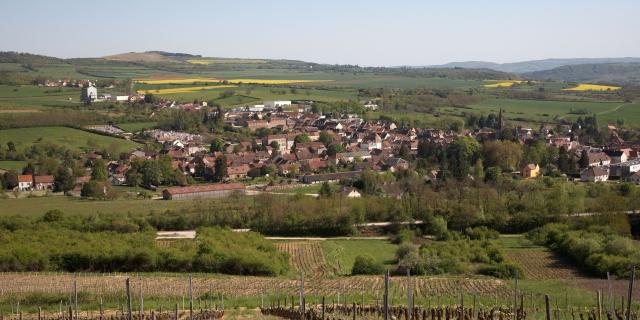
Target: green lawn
(74,139)
(341,254)
(136,126)
(75,206)
(13,165)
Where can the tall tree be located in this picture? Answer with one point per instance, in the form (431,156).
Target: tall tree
(463,153)
(217,145)
(99,171)
(64,179)
(220,167)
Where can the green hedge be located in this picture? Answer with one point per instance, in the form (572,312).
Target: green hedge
(214,250)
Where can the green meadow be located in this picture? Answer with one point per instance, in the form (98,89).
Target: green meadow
(74,139)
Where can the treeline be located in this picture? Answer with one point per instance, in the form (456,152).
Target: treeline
(50,247)
(597,249)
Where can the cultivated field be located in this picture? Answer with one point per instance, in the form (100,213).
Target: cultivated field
(592,87)
(306,256)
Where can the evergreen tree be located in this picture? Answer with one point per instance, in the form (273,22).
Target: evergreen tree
(220,167)
(64,179)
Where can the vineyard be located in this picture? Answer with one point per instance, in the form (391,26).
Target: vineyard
(541,264)
(306,257)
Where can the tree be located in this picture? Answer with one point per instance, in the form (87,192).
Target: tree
(99,171)
(10,180)
(220,167)
(462,153)
(326,190)
(275,145)
(492,174)
(29,169)
(217,145)
(151,173)
(11,146)
(584,159)
(366,264)
(301,138)
(325,137)
(134,178)
(334,148)
(97,189)
(64,179)
(404,152)
(563,160)
(368,182)
(505,154)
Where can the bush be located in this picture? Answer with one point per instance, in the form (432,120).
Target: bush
(366,264)
(503,270)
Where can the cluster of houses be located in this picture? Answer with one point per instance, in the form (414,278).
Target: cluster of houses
(614,163)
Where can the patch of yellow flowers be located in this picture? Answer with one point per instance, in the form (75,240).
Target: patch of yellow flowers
(592,87)
(506,83)
(176,81)
(183,89)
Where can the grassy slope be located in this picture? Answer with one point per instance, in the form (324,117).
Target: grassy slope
(341,254)
(13,165)
(33,97)
(72,138)
(73,206)
(542,110)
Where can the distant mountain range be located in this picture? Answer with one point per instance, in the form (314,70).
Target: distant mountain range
(534,65)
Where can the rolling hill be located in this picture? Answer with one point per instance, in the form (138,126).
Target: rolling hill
(618,73)
(535,65)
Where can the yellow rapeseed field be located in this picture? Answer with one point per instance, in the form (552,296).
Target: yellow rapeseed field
(505,83)
(183,89)
(176,81)
(272,81)
(201,80)
(592,87)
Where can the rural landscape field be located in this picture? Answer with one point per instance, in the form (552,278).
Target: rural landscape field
(320,161)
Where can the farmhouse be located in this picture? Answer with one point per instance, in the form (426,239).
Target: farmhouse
(43,182)
(25,182)
(217,190)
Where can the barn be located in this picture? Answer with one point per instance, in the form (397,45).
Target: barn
(216,190)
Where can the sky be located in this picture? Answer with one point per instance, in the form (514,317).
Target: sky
(367,33)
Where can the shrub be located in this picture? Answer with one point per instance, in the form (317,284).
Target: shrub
(366,264)
(503,270)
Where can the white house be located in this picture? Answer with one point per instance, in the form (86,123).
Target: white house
(25,182)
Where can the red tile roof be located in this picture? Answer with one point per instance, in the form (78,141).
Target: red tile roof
(25,178)
(205,188)
(43,179)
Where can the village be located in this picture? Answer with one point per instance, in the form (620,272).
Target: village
(290,141)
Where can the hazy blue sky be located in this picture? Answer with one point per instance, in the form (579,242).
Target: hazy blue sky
(372,33)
